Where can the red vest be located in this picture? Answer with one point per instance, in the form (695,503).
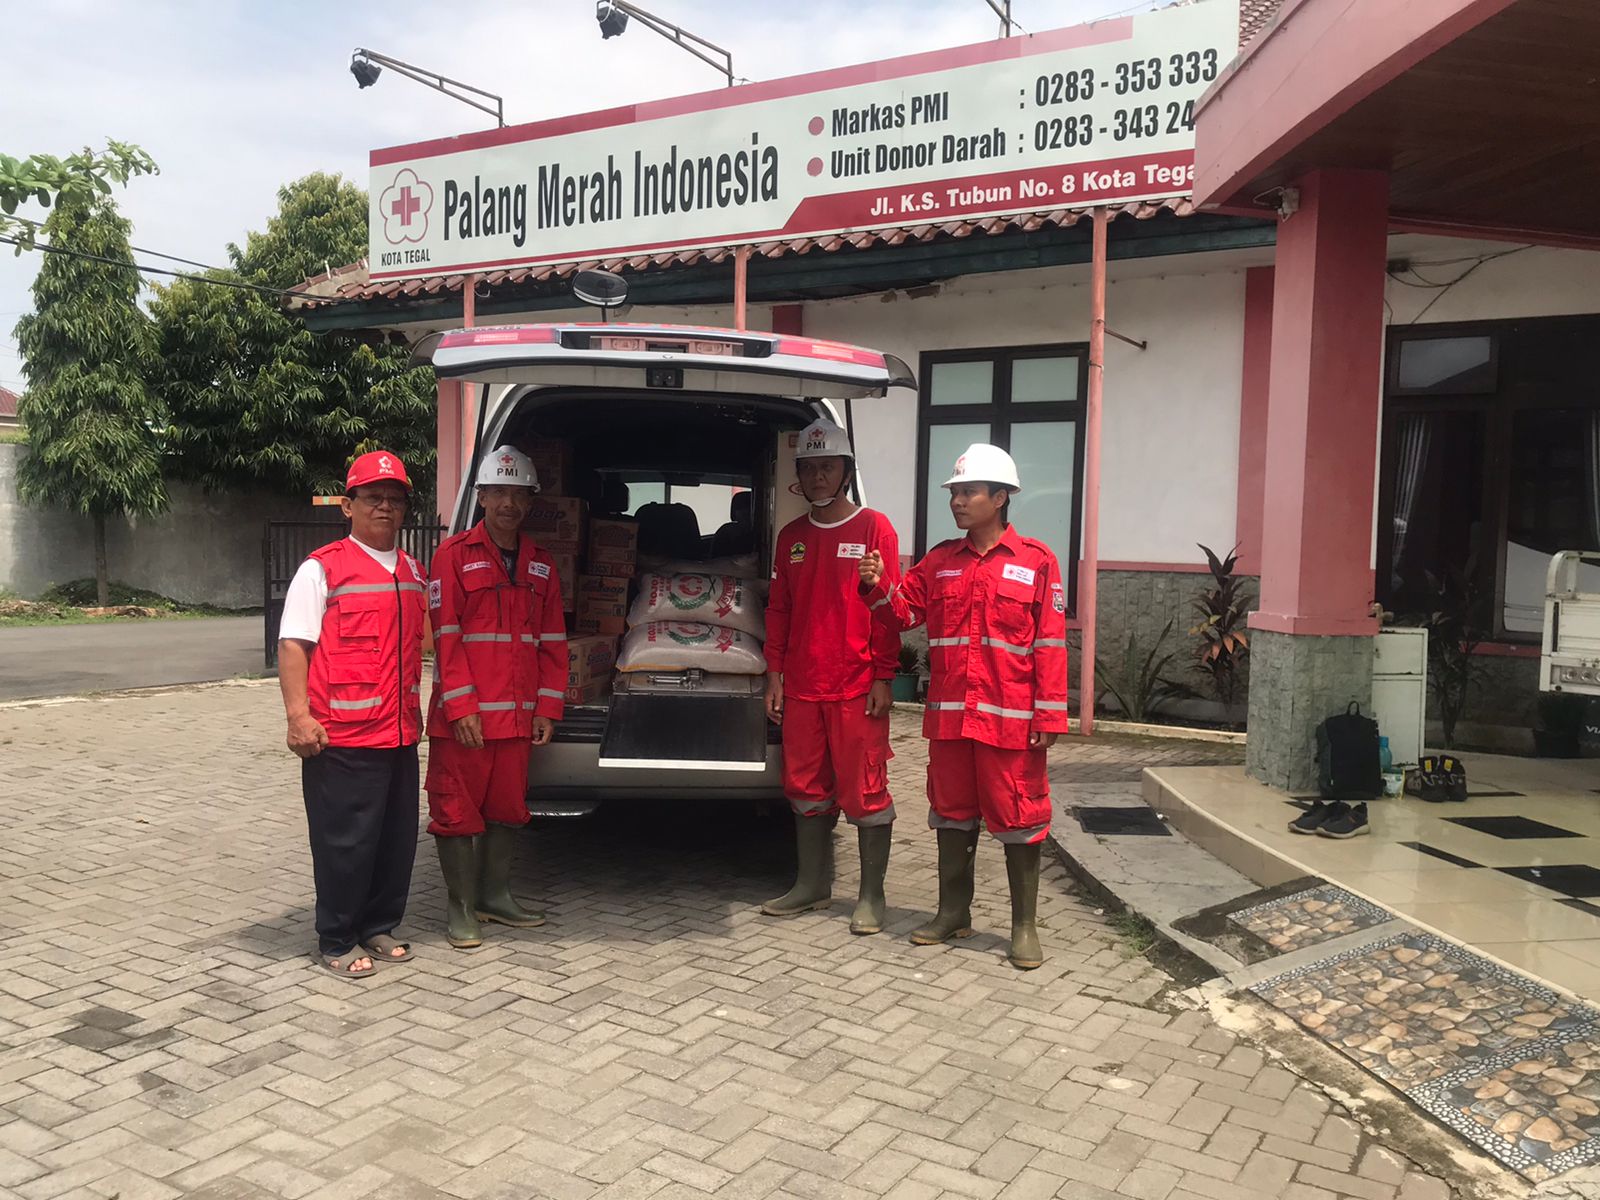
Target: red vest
(365,685)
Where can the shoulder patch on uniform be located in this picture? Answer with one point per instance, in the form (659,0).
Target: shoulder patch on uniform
(948,574)
(542,570)
(435,594)
(1018,572)
(797,552)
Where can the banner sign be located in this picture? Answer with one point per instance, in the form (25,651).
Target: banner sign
(1092,114)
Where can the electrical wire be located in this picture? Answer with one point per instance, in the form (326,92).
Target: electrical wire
(237,284)
(1442,288)
(188,262)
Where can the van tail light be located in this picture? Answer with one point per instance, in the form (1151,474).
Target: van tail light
(832,351)
(501,335)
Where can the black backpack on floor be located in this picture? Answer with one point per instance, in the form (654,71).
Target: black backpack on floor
(1348,767)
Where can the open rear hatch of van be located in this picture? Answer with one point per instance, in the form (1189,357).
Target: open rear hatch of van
(689,720)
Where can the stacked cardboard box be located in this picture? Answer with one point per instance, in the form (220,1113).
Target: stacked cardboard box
(589,664)
(557,524)
(613,547)
(602,605)
(552,462)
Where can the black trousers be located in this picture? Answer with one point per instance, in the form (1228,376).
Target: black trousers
(361,809)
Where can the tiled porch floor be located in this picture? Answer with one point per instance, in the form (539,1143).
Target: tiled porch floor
(1530,902)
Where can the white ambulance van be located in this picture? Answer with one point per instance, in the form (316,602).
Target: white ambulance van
(692,431)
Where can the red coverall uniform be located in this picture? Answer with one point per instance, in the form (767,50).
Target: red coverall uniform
(830,652)
(500,651)
(997,645)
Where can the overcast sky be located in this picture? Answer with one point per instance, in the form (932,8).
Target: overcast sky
(234,99)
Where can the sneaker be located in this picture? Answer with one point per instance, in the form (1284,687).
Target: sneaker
(1312,819)
(1348,824)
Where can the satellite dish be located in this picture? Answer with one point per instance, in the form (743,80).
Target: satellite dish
(602,289)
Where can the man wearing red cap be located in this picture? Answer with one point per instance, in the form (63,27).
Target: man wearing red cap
(350,668)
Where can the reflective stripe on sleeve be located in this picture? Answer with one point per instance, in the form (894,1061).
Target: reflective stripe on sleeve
(552,637)
(947,706)
(877,604)
(1008,647)
(444,629)
(552,694)
(1058,642)
(458,693)
(412,587)
(944,642)
(527,639)
(1010,714)
(1051,705)
(351,589)
(485,637)
(498,706)
(348,705)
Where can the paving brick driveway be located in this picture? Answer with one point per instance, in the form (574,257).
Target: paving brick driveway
(163,1032)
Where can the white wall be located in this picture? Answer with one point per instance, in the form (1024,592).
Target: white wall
(203,550)
(1170,442)
(1536,282)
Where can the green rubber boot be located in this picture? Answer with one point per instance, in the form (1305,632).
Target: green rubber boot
(1022,869)
(873,843)
(958,861)
(495,902)
(813,883)
(459,868)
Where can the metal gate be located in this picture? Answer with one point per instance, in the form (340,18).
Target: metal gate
(286,544)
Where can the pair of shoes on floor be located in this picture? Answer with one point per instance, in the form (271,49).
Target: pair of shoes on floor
(1334,819)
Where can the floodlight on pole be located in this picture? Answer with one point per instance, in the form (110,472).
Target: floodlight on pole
(612,16)
(367,65)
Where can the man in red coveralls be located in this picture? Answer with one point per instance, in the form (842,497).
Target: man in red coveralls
(500,677)
(997,644)
(350,669)
(828,674)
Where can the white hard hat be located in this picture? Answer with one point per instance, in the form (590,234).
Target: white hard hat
(508,467)
(983,463)
(823,439)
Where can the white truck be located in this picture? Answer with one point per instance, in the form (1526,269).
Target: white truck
(1570,660)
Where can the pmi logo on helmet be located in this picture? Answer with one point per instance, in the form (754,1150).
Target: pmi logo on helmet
(386,464)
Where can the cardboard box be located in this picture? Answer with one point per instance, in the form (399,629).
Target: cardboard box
(592,692)
(557,523)
(552,461)
(567,569)
(613,547)
(590,659)
(602,604)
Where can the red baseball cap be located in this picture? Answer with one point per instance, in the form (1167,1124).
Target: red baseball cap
(374,467)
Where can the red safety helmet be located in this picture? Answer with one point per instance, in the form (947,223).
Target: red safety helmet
(374,467)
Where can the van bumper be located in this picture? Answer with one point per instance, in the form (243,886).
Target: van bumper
(571,771)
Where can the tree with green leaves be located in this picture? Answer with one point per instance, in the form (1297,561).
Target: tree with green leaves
(44,179)
(253,397)
(86,350)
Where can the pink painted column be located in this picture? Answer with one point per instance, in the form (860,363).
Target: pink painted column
(1310,645)
(447,437)
(1324,395)
(1253,417)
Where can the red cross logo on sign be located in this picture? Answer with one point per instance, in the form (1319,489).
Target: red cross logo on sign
(404,207)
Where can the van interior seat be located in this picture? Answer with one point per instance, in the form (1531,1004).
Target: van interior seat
(669,530)
(738,536)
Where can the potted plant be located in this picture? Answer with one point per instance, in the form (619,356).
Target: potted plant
(904,687)
(1560,725)
(1224,646)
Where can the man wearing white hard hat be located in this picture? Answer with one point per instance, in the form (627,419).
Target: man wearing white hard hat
(996,612)
(829,668)
(500,675)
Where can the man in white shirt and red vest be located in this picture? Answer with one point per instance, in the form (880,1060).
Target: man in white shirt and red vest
(350,669)
(829,669)
(500,661)
(996,610)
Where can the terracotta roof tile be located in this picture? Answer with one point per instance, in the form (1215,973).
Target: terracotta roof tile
(353,282)
(1254,16)
(8,402)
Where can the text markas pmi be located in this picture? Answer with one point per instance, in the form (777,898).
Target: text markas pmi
(677,184)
